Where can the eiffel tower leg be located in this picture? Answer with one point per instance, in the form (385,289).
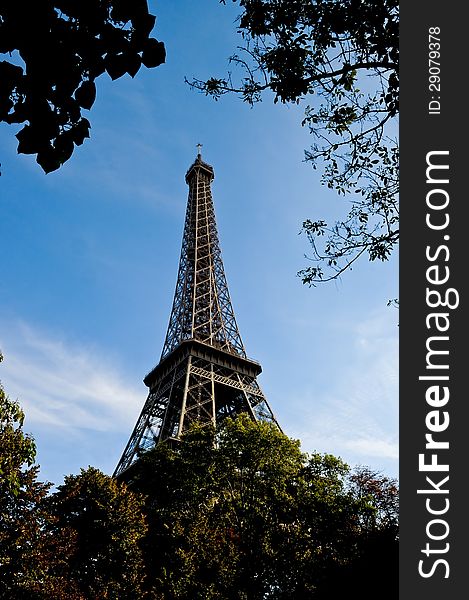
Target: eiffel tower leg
(212,381)
(250,410)
(134,445)
(184,398)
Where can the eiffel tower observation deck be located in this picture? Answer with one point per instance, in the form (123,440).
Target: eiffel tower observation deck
(204,374)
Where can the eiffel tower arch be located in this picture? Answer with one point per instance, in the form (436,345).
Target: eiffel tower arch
(204,374)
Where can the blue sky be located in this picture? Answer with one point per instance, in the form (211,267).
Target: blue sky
(89,258)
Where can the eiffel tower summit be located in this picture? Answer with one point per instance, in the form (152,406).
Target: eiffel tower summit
(204,373)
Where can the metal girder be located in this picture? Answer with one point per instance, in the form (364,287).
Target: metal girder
(228,381)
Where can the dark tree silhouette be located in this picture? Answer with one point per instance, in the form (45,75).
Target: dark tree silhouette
(56,49)
(339,57)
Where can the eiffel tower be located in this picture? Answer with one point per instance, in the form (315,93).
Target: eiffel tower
(204,373)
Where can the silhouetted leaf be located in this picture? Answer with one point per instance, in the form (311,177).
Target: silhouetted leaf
(80,131)
(154,53)
(133,64)
(47,158)
(142,29)
(144,23)
(115,65)
(63,146)
(85,95)
(28,141)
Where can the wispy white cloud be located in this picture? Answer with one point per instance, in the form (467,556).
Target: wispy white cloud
(77,389)
(61,384)
(357,416)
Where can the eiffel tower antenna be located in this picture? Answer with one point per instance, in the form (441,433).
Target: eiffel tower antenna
(204,374)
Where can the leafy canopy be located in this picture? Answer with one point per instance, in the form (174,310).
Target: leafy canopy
(105,523)
(243,513)
(21,497)
(340,59)
(17,449)
(56,50)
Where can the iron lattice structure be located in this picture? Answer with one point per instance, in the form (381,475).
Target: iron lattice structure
(204,374)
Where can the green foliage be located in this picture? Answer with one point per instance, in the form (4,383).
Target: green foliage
(105,524)
(243,513)
(56,50)
(21,503)
(17,449)
(341,59)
